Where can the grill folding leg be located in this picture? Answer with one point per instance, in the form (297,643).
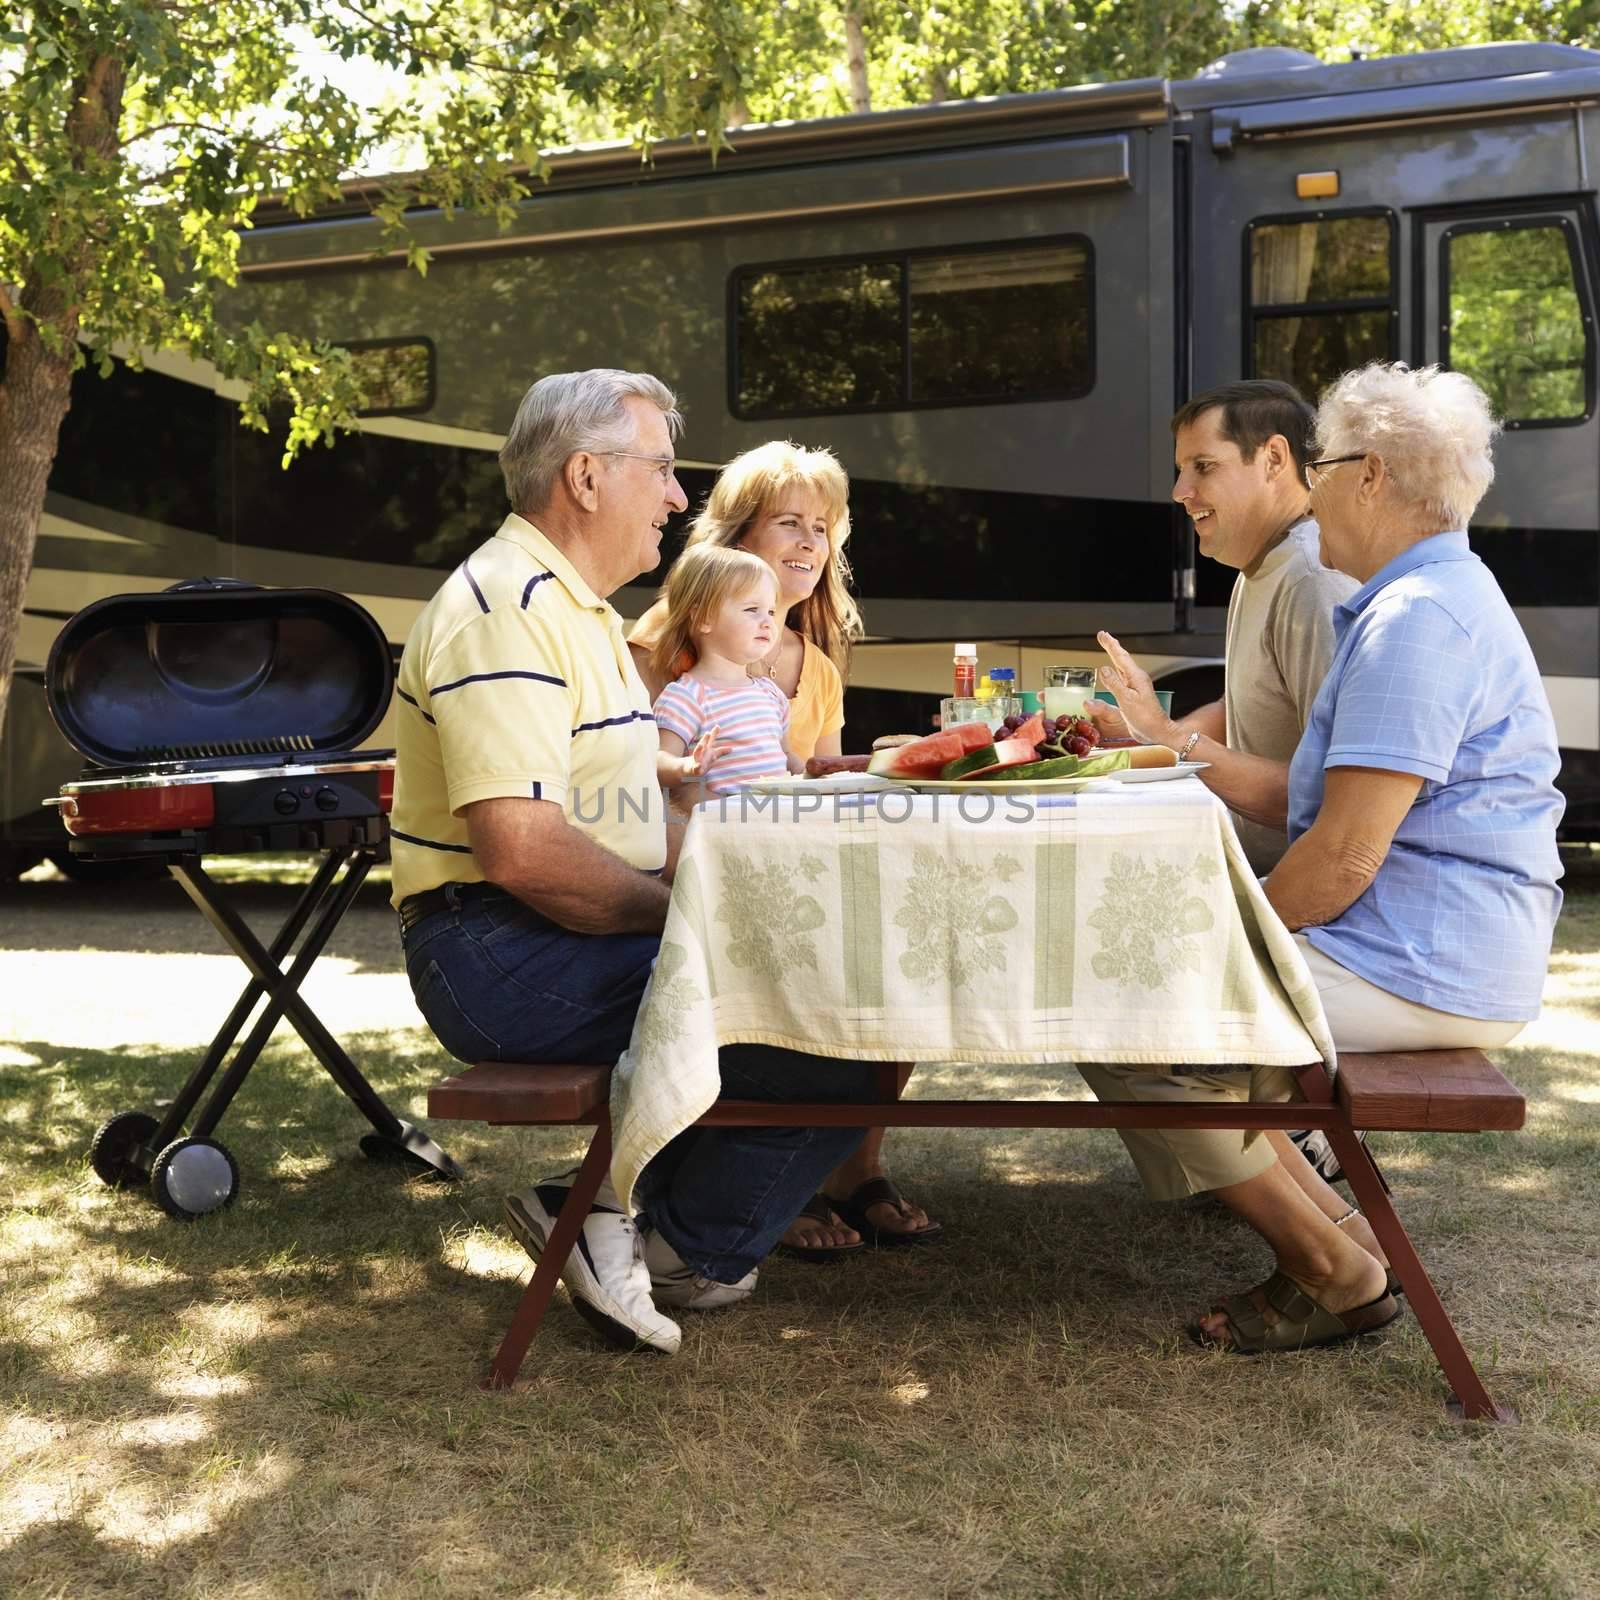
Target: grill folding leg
(322,904)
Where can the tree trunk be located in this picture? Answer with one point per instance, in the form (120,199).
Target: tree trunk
(855,57)
(34,396)
(37,386)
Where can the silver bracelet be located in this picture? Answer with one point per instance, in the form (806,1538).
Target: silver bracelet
(1188,745)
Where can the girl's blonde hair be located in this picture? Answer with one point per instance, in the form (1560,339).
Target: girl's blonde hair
(701,579)
(748,487)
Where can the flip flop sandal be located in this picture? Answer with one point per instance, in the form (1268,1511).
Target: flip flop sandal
(1302,1324)
(881,1192)
(819,1208)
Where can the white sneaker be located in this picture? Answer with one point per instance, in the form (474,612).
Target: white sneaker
(605,1274)
(676,1283)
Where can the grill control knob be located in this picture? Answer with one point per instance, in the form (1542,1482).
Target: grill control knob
(285,802)
(327,800)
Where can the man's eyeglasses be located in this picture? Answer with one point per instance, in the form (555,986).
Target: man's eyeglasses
(1329,461)
(664,465)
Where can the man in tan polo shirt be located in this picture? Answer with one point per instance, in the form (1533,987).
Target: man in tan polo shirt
(531,863)
(1241,452)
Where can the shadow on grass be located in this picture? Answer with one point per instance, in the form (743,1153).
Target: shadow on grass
(281,1398)
(155,917)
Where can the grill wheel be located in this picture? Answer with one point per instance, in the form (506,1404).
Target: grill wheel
(114,1155)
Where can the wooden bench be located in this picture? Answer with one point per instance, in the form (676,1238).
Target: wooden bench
(1433,1091)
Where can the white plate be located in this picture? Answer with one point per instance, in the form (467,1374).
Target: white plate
(1047,785)
(1156,774)
(834,783)
(978,786)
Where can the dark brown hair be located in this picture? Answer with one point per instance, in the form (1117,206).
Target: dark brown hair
(1253,410)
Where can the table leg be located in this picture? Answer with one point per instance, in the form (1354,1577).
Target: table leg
(1470,1400)
(542,1285)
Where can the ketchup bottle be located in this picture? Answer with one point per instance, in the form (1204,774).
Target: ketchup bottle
(966,660)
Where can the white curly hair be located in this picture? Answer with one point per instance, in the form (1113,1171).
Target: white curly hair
(1433,429)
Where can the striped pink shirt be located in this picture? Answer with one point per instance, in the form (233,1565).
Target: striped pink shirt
(753,717)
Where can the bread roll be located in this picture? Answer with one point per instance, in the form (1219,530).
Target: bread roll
(1152,755)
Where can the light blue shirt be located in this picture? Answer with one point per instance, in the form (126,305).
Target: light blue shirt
(1432,675)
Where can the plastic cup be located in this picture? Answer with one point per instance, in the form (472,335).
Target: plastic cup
(1163,697)
(954,710)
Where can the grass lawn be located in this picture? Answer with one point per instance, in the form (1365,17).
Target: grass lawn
(280,1400)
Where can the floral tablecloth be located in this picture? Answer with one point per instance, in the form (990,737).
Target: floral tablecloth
(1121,926)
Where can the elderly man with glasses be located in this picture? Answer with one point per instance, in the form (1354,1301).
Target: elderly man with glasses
(1242,455)
(531,859)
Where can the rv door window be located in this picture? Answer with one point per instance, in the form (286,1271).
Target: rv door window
(1515,321)
(924,328)
(1321,296)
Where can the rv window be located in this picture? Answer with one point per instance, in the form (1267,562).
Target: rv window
(1000,324)
(396,375)
(1516,323)
(922,329)
(819,339)
(1307,263)
(1321,297)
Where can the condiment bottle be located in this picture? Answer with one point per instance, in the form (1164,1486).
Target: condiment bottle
(1002,696)
(966,671)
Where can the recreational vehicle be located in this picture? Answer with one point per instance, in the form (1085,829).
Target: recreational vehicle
(988,309)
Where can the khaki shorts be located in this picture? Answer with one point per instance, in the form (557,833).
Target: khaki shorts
(1177,1162)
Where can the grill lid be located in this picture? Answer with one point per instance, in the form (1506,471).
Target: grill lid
(213,668)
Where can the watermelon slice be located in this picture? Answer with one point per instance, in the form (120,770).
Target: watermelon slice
(926,758)
(1033,730)
(972,761)
(974,735)
(1066,767)
(1008,753)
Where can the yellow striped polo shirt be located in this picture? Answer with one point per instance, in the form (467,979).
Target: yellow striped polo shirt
(516,681)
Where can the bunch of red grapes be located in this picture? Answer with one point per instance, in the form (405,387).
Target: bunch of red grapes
(1072,736)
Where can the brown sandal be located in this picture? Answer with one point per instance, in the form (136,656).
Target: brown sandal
(819,1208)
(1302,1324)
(882,1192)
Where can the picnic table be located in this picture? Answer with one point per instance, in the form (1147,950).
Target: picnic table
(1117,924)
(1114,925)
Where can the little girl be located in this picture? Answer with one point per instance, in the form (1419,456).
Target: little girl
(715,722)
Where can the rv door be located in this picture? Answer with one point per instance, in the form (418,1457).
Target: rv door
(1506,294)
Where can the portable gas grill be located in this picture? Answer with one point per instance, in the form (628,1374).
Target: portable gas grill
(224,718)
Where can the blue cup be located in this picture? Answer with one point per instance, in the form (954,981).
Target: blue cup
(1164,696)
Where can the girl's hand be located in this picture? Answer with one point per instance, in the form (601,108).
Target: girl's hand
(706,752)
(1136,700)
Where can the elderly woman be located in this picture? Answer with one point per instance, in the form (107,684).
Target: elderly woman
(1420,879)
(790,506)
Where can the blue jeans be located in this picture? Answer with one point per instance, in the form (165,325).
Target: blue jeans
(498,982)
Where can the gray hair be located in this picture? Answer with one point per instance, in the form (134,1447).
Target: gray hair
(570,411)
(1433,429)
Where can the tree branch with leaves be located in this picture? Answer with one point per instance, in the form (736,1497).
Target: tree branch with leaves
(142,135)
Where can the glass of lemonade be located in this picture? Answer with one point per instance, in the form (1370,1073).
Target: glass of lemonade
(1065,690)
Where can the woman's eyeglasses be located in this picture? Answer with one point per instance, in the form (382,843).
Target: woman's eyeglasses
(1328,462)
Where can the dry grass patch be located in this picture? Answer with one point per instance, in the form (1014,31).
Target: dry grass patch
(279,1401)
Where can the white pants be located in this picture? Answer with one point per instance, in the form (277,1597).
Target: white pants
(1178,1162)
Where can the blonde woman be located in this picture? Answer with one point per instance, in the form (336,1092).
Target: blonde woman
(790,506)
